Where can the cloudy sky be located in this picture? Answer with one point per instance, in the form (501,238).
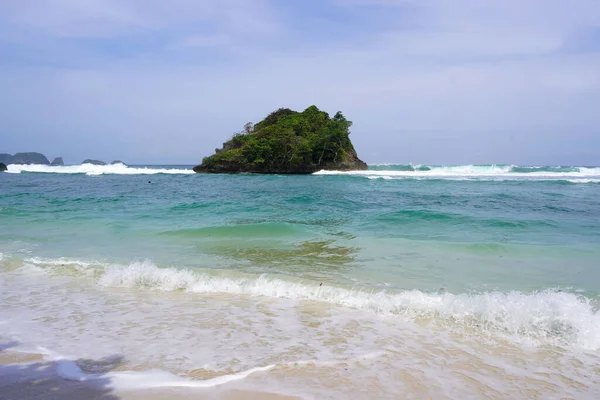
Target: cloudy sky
(424,81)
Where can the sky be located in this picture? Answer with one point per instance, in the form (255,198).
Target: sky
(424,81)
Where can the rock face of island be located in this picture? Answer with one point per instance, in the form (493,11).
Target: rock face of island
(93,162)
(24,158)
(288,142)
(3,167)
(57,162)
(117,162)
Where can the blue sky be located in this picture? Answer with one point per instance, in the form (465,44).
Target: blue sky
(429,81)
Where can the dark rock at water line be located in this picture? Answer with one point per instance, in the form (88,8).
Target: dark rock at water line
(93,162)
(3,167)
(57,162)
(117,162)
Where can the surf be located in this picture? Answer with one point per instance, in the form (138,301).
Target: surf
(487,172)
(91,170)
(549,316)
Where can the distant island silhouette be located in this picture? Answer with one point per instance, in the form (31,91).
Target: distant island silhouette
(31,158)
(24,158)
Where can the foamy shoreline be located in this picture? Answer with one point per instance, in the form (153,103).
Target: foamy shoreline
(29,376)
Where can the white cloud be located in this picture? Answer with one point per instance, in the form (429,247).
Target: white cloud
(207,41)
(113,18)
(75,18)
(467,75)
(473,27)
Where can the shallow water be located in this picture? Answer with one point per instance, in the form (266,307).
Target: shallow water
(448,282)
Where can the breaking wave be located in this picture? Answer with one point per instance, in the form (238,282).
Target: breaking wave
(90,169)
(476,172)
(547,316)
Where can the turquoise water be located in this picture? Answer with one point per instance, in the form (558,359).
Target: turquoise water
(461,235)
(504,253)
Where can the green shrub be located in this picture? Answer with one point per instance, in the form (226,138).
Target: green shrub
(285,141)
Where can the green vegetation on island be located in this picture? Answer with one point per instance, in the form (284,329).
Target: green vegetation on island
(288,142)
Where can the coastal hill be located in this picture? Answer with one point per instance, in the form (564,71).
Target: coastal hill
(24,158)
(288,142)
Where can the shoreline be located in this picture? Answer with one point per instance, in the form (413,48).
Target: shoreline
(29,376)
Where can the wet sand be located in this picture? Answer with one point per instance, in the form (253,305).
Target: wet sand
(28,376)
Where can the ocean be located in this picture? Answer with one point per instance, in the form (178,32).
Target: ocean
(399,282)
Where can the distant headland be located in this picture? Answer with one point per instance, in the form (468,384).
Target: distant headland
(24,158)
(40,159)
(288,142)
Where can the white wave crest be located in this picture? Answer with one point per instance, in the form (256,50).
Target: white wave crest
(584,180)
(57,261)
(90,169)
(37,264)
(474,172)
(549,315)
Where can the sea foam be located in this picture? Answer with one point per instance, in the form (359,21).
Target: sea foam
(385,171)
(548,316)
(475,172)
(90,169)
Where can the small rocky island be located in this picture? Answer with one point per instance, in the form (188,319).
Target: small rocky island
(288,142)
(57,162)
(3,167)
(93,162)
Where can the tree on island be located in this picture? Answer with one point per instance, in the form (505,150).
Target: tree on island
(290,142)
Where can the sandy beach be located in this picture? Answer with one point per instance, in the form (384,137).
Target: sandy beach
(28,376)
